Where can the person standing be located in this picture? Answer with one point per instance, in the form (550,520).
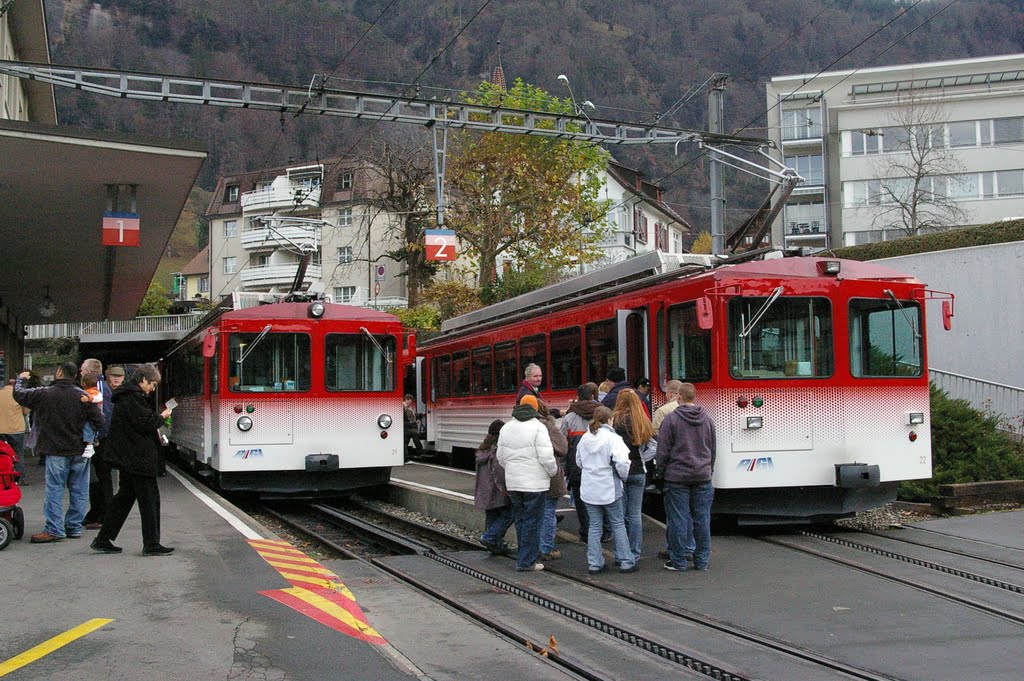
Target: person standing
(133,446)
(604,459)
(12,427)
(490,495)
(557,488)
(631,423)
(411,428)
(575,423)
(686,461)
(533,376)
(101,486)
(617,375)
(671,402)
(60,417)
(526,454)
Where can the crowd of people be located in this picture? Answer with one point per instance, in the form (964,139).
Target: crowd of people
(83,427)
(607,451)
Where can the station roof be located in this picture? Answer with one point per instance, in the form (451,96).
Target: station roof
(53,193)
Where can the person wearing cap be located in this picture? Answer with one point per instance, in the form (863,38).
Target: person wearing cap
(617,375)
(101,484)
(527,455)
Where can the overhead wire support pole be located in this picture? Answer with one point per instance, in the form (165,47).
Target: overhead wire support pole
(716,124)
(361,105)
(439,128)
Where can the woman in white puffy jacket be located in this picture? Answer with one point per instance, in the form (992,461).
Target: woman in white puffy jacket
(526,454)
(603,457)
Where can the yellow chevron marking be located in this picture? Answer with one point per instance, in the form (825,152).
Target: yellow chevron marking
(332,609)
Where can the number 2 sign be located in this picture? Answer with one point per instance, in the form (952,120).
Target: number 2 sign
(440,244)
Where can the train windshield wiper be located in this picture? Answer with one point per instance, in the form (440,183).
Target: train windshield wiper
(903,310)
(383,352)
(760,313)
(255,342)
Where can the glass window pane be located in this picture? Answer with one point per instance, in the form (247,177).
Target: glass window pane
(963,134)
(356,362)
(441,373)
(791,339)
(1011,182)
(885,338)
(689,346)
(460,373)
(964,186)
(602,350)
(566,359)
(275,362)
(1008,130)
(532,350)
(506,378)
(483,378)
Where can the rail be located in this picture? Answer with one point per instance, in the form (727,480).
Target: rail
(154,324)
(1004,401)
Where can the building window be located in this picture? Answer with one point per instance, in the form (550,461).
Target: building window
(800,124)
(230,265)
(317,257)
(345,217)
(344,294)
(345,181)
(1007,130)
(231,193)
(204,284)
(963,134)
(1010,183)
(344,255)
(809,168)
(260,261)
(230,228)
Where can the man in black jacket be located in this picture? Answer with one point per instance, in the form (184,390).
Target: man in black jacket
(60,415)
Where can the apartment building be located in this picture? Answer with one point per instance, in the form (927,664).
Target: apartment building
(944,136)
(261,224)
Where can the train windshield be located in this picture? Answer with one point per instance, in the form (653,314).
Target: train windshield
(268,362)
(360,362)
(779,337)
(885,338)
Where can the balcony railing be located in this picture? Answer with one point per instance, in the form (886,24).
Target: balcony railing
(156,324)
(262,237)
(274,198)
(275,275)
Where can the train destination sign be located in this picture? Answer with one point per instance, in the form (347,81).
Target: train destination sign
(120,229)
(440,244)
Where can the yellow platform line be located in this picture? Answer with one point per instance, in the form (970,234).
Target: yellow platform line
(47,647)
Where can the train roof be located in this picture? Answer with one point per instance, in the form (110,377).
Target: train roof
(808,267)
(332,311)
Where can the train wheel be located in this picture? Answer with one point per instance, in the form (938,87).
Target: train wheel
(6,533)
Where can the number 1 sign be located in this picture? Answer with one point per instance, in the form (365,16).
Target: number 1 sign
(440,244)
(120,229)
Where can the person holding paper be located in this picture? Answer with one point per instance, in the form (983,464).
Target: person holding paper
(133,446)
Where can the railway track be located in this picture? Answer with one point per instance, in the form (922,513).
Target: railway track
(369,536)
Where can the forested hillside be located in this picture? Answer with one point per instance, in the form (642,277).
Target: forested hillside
(635,59)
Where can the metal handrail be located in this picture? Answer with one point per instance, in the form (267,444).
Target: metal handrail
(997,399)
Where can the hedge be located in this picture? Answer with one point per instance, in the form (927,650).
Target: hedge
(962,237)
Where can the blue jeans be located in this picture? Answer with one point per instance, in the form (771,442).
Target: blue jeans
(633,504)
(597,516)
(71,472)
(496,521)
(548,525)
(528,508)
(688,512)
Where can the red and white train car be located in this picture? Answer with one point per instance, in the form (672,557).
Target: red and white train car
(813,369)
(290,398)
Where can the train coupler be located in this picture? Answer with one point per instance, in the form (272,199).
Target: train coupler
(854,475)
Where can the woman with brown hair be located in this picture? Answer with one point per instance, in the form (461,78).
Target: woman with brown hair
(630,421)
(491,496)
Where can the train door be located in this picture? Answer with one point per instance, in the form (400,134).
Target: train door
(632,338)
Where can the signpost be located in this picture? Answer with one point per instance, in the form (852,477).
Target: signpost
(120,229)
(440,244)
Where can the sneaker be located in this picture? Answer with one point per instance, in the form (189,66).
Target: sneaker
(536,567)
(632,568)
(158,551)
(44,538)
(597,571)
(104,546)
(74,535)
(669,565)
(553,554)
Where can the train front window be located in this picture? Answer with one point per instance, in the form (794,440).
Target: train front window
(780,338)
(885,338)
(359,362)
(268,362)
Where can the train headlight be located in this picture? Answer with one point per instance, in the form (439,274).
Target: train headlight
(316,309)
(915,418)
(244,423)
(754,422)
(384,421)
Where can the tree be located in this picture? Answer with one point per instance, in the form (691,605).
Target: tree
(531,199)
(912,193)
(155,302)
(702,244)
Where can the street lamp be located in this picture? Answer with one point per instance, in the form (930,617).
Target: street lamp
(579,109)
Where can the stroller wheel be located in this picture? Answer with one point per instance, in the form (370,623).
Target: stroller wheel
(19,522)
(6,533)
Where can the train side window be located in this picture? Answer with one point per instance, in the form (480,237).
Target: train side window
(441,371)
(533,350)
(689,346)
(506,379)
(885,338)
(483,379)
(788,337)
(359,363)
(602,349)
(214,366)
(566,359)
(460,373)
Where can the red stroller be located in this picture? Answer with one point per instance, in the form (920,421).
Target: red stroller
(12,519)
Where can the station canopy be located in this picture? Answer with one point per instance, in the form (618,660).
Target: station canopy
(54,190)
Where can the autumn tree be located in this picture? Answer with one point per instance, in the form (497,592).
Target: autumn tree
(529,199)
(916,180)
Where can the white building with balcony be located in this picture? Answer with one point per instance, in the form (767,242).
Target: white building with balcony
(849,134)
(261,223)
